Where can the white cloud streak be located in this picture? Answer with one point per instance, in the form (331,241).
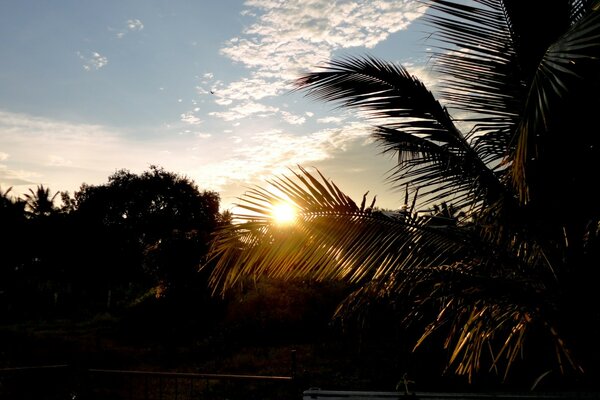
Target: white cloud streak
(330,120)
(244,110)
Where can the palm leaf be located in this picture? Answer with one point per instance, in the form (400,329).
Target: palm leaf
(402,256)
(432,152)
(567,64)
(477,58)
(487,280)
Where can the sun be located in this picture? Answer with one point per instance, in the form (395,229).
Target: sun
(283,213)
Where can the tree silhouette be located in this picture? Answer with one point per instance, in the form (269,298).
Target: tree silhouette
(39,202)
(12,237)
(151,228)
(509,142)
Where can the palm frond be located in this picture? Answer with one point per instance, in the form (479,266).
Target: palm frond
(441,172)
(331,238)
(401,255)
(477,58)
(384,91)
(488,279)
(432,152)
(568,63)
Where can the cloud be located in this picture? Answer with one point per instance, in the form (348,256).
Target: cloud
(134,25)
(66,154)
(131,25)
(247,89)
(330,120)
(92,61)
(293,119)
(288,38)
(10,177)
(260,155)
(244,110)
(69,154)
(284,39)
(190,118)
(58,161)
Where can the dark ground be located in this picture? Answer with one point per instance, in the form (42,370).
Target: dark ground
(277,332)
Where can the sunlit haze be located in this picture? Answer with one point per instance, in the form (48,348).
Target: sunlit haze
(284,213)
(199,88)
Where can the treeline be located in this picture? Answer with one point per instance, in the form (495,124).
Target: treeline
(105,248)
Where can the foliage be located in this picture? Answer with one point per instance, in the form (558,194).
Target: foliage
(39,202)
(509,141)
(104,247)
(158,222)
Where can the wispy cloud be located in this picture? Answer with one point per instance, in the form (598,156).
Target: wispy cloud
(330,120)
(58,161)
(92,60)
(292,119)
(131,25)
(65,155)
(248,89)
(247,158)
(134,25)
(12,177)
(190,118)
(244,110)
(264,153)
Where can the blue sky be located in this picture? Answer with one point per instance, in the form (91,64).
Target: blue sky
(200,88)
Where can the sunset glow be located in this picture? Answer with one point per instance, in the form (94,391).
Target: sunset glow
(284,213)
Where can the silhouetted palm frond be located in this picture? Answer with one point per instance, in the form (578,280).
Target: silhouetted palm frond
(522,257)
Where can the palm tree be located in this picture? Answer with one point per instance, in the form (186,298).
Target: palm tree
(39,202)
(5,198)
(11,208)
(509,143)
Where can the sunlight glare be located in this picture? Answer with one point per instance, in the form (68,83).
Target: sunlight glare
(283,213)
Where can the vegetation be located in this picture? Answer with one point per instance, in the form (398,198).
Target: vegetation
(108,278)
(507,148)
(494,254)
(107,248)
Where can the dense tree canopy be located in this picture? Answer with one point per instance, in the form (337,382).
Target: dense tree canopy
(107,245)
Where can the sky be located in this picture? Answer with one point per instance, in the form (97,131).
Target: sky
(201,88)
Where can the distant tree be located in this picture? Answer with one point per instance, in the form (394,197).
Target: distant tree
(10,207)
(68,203)
(39,202)
(12,237)
(33,251)
(150,229)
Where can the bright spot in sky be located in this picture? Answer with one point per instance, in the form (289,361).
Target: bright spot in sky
(283,213)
